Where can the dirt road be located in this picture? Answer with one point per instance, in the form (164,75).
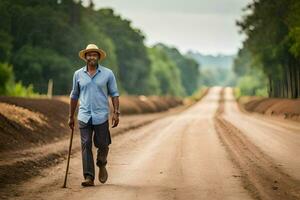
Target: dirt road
(203,152)
(265,149)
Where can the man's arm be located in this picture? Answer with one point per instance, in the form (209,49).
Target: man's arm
(116,112)
(113,92)
(73,105)
(73,101)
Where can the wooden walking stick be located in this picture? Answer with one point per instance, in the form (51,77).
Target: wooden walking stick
(69,155)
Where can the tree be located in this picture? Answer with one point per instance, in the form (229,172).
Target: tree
(133,61)
(188,68)
(165,72)
(270,42)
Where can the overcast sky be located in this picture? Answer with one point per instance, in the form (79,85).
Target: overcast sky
(207,26)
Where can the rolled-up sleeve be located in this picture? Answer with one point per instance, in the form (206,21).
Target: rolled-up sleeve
(75,88)
(112,85)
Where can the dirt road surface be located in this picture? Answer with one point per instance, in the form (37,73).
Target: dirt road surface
(209,151)
(266,150)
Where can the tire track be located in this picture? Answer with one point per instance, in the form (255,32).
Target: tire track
(260,175)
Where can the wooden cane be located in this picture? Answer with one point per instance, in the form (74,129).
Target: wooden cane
(69,155)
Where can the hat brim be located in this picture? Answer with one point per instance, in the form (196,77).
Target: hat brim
(84,51)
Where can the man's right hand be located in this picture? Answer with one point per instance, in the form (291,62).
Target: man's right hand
(71,122)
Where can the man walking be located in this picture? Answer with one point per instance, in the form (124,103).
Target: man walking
(91,85)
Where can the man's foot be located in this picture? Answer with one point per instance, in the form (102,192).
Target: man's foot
(89,181)
(102,174)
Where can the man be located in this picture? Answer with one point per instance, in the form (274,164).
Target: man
(91,85)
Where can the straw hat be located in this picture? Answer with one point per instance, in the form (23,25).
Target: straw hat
(89,48)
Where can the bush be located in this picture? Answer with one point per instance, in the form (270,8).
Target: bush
(251,85)
(6,75)
(9,87)
(17,89)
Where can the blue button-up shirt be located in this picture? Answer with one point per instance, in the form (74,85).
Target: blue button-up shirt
(92,92)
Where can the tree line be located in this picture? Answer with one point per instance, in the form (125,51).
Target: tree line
(40,40)
(270,56)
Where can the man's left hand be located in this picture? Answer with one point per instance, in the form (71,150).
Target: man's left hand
(115,120)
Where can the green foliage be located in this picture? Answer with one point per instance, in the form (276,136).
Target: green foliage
(8,85)
(5,37)
(165,72)
(18,89)
(242,63)
(214,70)
(6,75)
(37,65)
(133,61)
(293,21)
(5,46)
(188,68)
(251,85)
(41,39)
(295,47)
(216,76)
(44,39)
(272,45)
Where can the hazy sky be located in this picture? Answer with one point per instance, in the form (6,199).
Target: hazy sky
(207,26)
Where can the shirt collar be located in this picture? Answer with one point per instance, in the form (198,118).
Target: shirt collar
(98,68)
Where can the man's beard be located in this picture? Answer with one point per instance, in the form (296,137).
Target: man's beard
(92,62)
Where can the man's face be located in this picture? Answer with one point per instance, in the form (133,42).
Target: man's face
(92,57)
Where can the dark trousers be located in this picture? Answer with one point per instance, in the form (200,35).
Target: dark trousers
(102,140)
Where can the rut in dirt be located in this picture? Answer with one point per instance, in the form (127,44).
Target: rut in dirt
(261,176)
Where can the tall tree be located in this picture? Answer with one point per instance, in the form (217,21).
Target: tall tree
(269,43)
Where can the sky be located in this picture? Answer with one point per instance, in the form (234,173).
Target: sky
(205,26)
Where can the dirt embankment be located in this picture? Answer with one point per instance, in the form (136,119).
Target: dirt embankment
(140,104)
(27,122)
(285,108)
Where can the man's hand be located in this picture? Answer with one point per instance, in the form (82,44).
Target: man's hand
(115,120)
(71,122)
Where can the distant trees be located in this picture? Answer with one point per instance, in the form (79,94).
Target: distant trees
(165,72)
(188,68)
(133,61)
(214,69)
(41,40)
(272,45)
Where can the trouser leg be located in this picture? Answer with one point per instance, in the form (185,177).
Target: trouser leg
(86,132)
(102,153)
(102,140)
